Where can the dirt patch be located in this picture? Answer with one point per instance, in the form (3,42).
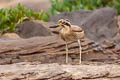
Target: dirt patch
(36,5)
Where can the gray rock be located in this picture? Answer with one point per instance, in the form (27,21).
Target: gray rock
(75,17)
(99,25)
(33,28)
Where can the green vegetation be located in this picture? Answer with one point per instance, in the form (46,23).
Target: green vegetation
(9,18)
(59,6)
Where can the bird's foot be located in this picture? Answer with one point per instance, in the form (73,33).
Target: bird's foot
(79,63)
(67,63)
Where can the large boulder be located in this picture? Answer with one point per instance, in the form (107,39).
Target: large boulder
(99,25)
(29,29)
(76,17)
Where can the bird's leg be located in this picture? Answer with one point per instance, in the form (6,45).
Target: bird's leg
(66,53)
(79,50)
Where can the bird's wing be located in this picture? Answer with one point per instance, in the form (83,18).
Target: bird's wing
(76,28)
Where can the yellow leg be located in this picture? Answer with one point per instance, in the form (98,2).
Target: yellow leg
(80,51)
(66,53)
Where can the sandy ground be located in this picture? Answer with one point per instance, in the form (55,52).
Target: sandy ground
(4,3)
(35,4)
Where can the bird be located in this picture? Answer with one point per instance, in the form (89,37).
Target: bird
(69,32)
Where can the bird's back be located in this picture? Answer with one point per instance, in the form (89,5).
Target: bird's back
(78,31)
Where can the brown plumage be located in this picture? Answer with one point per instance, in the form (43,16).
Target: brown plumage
(70,33)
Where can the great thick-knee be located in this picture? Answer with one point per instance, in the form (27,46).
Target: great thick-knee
(70,33)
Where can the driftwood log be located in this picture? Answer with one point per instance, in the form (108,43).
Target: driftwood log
(52,49)
(37,71)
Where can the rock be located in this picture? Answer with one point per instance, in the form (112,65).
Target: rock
(29,29)
(10,36)
(29,4)
(51,49)
(76,17)
(37,71)
(99,25)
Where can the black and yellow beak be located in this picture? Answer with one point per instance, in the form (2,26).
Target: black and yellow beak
(55,26)
(60,24)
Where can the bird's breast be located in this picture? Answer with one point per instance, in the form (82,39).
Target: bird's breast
(67,35)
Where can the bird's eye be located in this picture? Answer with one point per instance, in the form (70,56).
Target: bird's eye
(63,23)
(67,24)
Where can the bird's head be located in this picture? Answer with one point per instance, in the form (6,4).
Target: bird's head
(62,23)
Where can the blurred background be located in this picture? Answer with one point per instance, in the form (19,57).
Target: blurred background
(30,4)
(13,12)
